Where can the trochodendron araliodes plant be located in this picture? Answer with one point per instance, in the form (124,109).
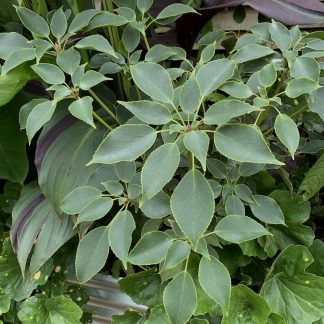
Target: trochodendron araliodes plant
(187,173)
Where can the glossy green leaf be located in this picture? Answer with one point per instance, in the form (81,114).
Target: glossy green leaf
(120,234)
(158,206)
(215,280)
(213,74)
(287,132)
(227,229)
(33,22)
(297,87)
(82,109)
(180,298)
(149,111)
(68,60)
(125,143)
(280,35)
(178,252)
(192,204)
(268,75)
(251,52)
(153,80)
(174,10)
(97,43)
(237,89)
(92,253)
(243,143)
(152,248)
(49,73)
(234,206)
(189,98)
(58,23)
(246,307)
(223,111)
(305,67)
(197,142)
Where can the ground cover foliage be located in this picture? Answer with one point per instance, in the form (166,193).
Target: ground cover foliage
(194,176)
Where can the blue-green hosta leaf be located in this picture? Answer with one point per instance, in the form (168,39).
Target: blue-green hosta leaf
(212,75)
(313,181)
(16,58)
(180,298)
(238,229)
(197,143)
(152,248)
(246,307)
(149,111)
(251,52)
(82,109)
(178,252)
(297,87)
(41,309)
(153,80)
(120,235)
(223,111)
(12,42)
(192,204)
(243,143)
(92,253)
(33,22)
(280,35)
(125,143)
(305,67)
(49,73)
(215,280)
(143,287)
(58,23)
(189,98)
(160,165)
(290,291)
(68,60)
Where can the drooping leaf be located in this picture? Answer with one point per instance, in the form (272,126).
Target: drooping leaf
(192,204)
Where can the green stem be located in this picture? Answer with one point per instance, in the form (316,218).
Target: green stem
(102,104)
(101,121)
(146,42)
(191,161)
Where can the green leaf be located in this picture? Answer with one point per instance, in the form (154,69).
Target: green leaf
(290,291)
(280,35)
(243,192)
(131,38)
(49,73)
(68,60)
(157,207)
(246,307)
(313,181)
(192,204)
(178,252)
(95,210)
(237,89)
(120,235)
(144,5)
(268,75)
(58,23)
(234,206)
(12,42)
(92,253)
(165,159)
(90,79)
(180,298)
(113,187)
(189,99)
(174,10)
(217,168)
(129,316)
(79,198)
(305,67)
(33,22)
(243,143)
(82,109)
(125,171)
(143,287)
(197,142)
(227,227)
(41,309)
(153,80)
(152,248)
(287,132)
(16,58)
(317,251)
(125,143)
(267,210)
(107,19)
(213,74)
(4,302)
(315,102)
(38,117)
(82,19)
(251,52)
(158,315)
(297,87)
(149,111)
(97,43)
(223,111)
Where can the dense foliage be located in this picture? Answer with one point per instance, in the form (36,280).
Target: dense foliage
(194,177)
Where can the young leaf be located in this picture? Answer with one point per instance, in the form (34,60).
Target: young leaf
(297,87)
(178,252)
(251,52)
(287,132)
(165,159)
(97,43)
(82,109)
(90,79)
(152,248)
(153,80)
(227,229)
(50,73)
(120,235)
(180,298)
(280,35)
(267,210)
(175,10)
(243,143)
(197,142)
(305,67)
(212,75)
(33,22)
(92,253)
(192,204)
(234,206)
(68,60)
(268,75)
(149,111)
(59,23)
(215,280)
(189,99)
